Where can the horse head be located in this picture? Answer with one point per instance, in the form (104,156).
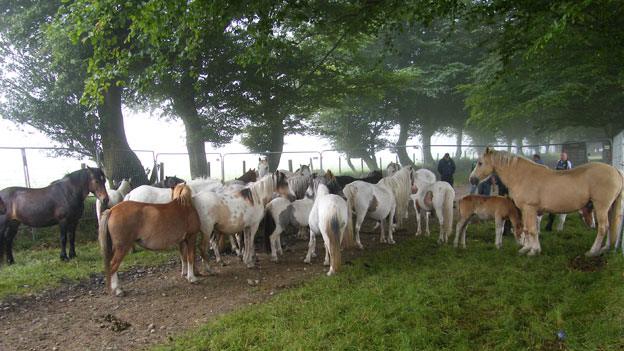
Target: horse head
(484,167)
(96,184)
(263,167)
(182,193)
(280,183)
(171,182)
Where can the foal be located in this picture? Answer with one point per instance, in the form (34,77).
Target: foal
(488,207)
(153,226)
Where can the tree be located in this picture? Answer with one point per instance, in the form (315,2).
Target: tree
(43,81)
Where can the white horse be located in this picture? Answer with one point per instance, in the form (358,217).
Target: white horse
(438,196)
(263,167)
(379,201)
(114,197)
(331,218)
(285,213)
(227,213)
(153,195)
(392,169)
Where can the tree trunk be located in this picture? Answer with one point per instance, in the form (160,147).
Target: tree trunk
(277,144)
(185,108)
(458,142)
(401,151)
(350,164)
(119,160)
(427,133)
(519,148)
(370,161)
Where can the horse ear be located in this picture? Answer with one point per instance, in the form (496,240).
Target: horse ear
(488,150)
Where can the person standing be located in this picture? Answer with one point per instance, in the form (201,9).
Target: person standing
(538,159)
(562,164)
(446,168)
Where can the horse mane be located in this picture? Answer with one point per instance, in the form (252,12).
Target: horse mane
(183,194)
(298,184)
(400,183)
(504,158)
(262,189)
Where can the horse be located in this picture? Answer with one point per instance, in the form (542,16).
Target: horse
(392,169)
(114,197)
(62,203)
(250,176)
(331,218)
(285,213)
(2,207)
(231,213)
(374,177)
(154,227)
(153,195)
(536,188)
(438,196)
(380,201)
(498,208)
(263,167)
(298,184)
(169,182)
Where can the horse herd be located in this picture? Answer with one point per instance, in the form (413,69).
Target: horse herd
(335,207)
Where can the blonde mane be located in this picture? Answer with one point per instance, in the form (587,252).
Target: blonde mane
(400,183)
(183,194)
(262,190)
(506,159)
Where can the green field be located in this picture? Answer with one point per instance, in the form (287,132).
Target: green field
(419,296)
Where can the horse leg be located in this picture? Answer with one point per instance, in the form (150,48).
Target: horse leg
(602,216)
(359,218)
(391,227)
(250,233)
(183,258)
(311,247)
(561,222)
(442,238)
(529,222)
(214,244)
(3,227)
(382,231)
(274,238)
(8,240)
(118,255)
(190,257)
(427,214)
(63,226)
(326,262)
(460,230)
(418,218)
(203,251)
(534,244)
(71,229)
(499,225)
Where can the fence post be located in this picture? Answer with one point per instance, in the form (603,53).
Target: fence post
(290,168)
(361,166)
(414,158)
(83,165)
(311,164)
(339,165)
(25,166)
(161,171)
(208,169)
(380,163)
(396,159)
(244,167)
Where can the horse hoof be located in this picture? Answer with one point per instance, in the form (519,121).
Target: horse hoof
(64,258)
(360,246)
(274,259)
(326,264)
(72,255)
(251,265)
(118,292)
(307,260)
(330,273)
(193,280)
(592,253)
(391,242)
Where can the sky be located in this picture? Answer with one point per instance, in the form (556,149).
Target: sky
(145,132)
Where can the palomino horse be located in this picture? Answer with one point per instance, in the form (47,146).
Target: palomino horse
(228,213)
(61,202)
(498,208)
(114,197)
(331,218)
(438,196)
(153,226)
(536,188)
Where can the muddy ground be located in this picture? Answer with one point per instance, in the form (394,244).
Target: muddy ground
(158,303)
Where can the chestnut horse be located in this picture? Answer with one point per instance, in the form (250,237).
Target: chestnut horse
(536,188)
(153,226)
(61,202)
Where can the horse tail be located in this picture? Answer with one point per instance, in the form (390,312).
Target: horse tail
(616,214)
(105,245)
(334,235)
(350,192)
(449,198)
(269,227)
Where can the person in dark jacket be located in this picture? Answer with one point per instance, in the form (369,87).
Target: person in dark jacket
(446,168)
(538,159)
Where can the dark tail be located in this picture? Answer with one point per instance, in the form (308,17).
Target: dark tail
(105,245)
(334,233)
(269,227)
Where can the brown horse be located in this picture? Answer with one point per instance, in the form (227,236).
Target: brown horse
(62,203)
(153,226)
(537,188)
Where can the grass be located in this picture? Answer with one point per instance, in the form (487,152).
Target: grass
(38,267)
(420,296)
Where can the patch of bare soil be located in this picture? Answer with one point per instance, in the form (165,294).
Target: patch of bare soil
(587,264)
(157,305)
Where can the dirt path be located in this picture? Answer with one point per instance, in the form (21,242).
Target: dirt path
(158,303)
